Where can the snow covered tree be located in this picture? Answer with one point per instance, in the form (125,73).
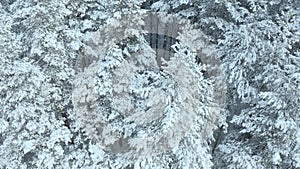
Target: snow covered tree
(34,74)
(106,84)
(143,114)
(260,47)
(40,42)
(53,51)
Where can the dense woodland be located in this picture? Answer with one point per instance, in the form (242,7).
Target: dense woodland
(121,84)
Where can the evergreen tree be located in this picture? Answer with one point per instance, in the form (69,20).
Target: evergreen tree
(83,84)
(260,48)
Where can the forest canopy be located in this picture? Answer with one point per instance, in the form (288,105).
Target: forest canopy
(150,84)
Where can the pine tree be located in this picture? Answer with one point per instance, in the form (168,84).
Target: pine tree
(261,50)
(83,84)
(57,52)
(144,114)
